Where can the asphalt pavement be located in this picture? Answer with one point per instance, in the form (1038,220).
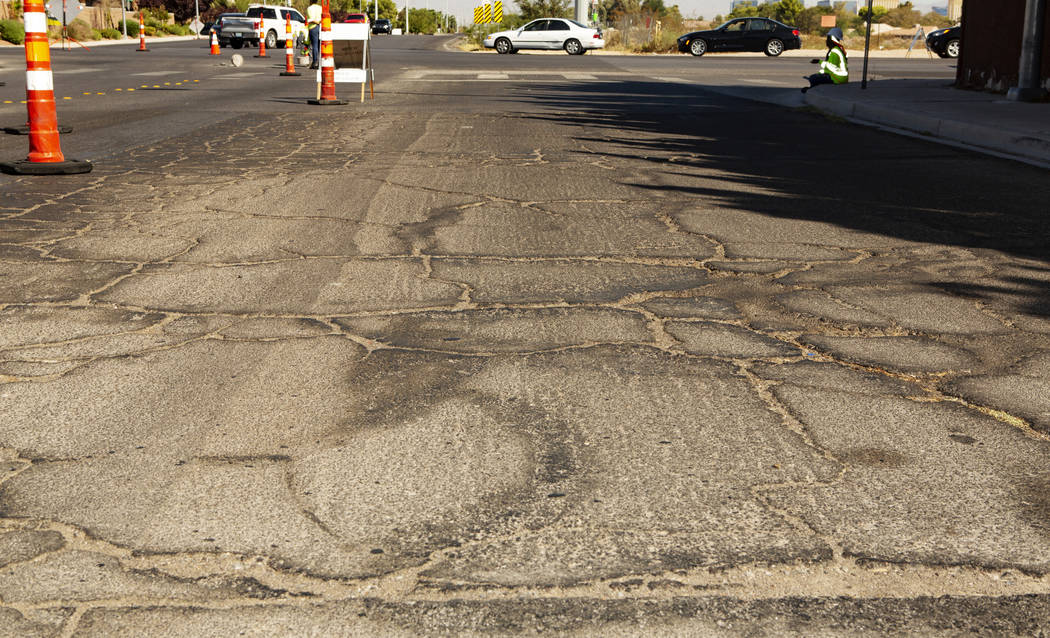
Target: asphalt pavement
(526,344)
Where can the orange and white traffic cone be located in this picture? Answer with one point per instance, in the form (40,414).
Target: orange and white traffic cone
(142,34)
(215,44)
(289,62)
(45,152)
(327,61)
(260,27)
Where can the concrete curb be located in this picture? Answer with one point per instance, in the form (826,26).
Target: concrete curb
(1019,144)
(135,41)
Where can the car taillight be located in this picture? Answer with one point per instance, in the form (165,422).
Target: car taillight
(597,36)
(795,32)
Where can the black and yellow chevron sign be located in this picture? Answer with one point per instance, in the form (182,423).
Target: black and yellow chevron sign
(487,13)
(497,11)
(477,15)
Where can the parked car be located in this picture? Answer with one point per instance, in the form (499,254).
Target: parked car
(945,42)
(548,33)
(356,18)
(217,25)
(238,31)
(743,34)
(382,25)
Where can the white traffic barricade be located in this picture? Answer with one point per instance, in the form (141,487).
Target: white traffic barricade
(352,49)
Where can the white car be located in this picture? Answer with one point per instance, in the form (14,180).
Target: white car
(548,33)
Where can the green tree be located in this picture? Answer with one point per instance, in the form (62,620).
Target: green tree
(532,9)
(878,14)
(903,16)
(787,11)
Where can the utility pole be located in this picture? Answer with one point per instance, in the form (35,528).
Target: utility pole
(197,19)
(867,46)
(123,18)
(1029,77)
(580,14)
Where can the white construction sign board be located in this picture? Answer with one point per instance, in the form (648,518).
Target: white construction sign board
(351,51)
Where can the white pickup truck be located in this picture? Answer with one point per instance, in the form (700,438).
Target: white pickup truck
(238,31)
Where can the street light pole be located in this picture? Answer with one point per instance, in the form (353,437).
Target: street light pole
(1029,78)
(123,18)
(867,46)
(197,19)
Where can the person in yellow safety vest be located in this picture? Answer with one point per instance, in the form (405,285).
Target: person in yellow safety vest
(313,23)
(833,69)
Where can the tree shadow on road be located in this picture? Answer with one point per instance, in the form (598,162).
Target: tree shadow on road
(794,164)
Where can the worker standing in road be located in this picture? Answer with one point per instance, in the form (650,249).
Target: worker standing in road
(833,68)
(313,23)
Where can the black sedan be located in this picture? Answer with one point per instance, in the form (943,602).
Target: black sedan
(945,42)
(743,34)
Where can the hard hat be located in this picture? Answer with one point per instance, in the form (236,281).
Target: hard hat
(835,37)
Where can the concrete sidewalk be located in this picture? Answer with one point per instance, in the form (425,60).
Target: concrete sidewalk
(935,110)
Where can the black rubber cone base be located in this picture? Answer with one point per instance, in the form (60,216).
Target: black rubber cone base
(260,55)
(25,167)
(290,73)
(24,130)
(327,102)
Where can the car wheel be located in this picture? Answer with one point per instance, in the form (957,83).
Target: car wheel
(503,46)
(573,47)
(698,47)
(774,47)
(952,48)
(237,44)
(271,39)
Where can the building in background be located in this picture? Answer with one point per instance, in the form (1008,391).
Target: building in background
(887,4)
(850,6)
(742,3)
(955,10)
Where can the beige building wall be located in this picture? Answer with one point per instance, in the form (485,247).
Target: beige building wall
(955,10)
(887,4)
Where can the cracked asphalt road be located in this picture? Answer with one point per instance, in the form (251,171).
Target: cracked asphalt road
(593,357)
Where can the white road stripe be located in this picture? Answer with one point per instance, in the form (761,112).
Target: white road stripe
(768,82)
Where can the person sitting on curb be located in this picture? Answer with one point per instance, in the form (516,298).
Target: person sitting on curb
(833,68)
(313,24)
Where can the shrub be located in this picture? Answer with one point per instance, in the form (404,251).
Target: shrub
(133,28)
(153,22)
(148,30)
(12,31)
(111,34)
(176,29)
(79,30)
(96,34)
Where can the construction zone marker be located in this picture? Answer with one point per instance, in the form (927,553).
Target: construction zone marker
(260,27)
(45,152)
(142,34)
(327,97)
(214,44)
(289,62)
